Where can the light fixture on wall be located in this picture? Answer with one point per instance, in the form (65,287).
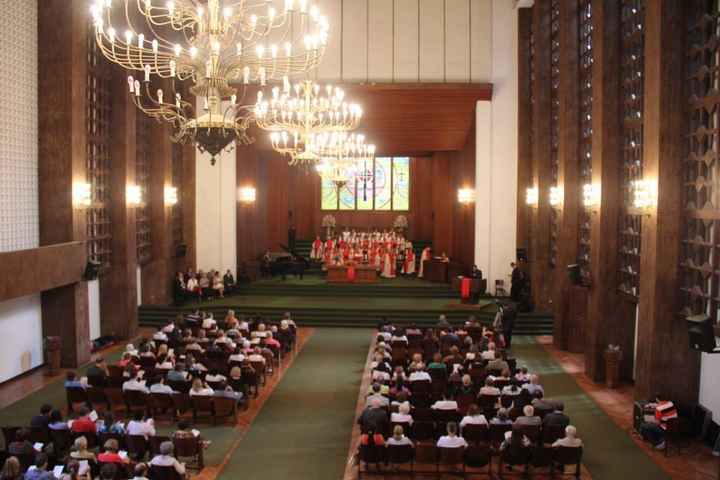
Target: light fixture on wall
(644,194)
(171,196)
(133,195)
(591,195)
(531,196)
(82,194)
(247,195)
(466,196)
(556,196)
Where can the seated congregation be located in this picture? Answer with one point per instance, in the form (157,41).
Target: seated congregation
(452,398)
(192,370)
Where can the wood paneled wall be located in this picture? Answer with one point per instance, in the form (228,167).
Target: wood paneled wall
(288,195)
(599,314)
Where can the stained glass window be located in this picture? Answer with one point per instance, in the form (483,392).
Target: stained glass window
(382,184)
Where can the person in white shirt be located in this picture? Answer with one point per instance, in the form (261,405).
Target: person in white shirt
(256,356)
(376,395)
(138,426)
(192,284)
(160,387)
(135,383)
(209,322)
(160,336)
(570,439)
(489,388)
(474,417)
(398,437)
(451,440)
(445,404)
(200,389)
(419,375)
(215,376)
(489,354)
(170,327)
(236,356)
(166,459)
(403,415)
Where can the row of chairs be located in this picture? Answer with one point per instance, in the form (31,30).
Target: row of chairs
(173,405)
(493,433)
(478,457)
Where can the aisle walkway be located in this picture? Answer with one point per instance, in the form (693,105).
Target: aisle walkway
(304,428)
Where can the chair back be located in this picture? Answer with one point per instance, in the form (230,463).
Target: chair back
(62,440)
(182,403)
(532,432)
(225,407)
(104,437)
(464,400)
(96,397)
(163,473)
(121,471)
(446,415)
(423,414)
(39,434)
(202,403)
(420,387)
(515,455)
(451,456)
(551,433)
(135,399)
(568,455)
(423,430)
(9,434)
(397,454)
(115,398)
(75,395)
(496,432)
(426,452)
(541,456)
(159,402)
(477,456)
(475,433)
(488,401)
(137,446)
(182,386)
(186,447)
(217,385)
(371,454)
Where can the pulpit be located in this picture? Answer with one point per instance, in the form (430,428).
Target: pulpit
(435,270)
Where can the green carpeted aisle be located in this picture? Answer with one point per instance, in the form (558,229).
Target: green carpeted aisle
(304,429)
(609,454)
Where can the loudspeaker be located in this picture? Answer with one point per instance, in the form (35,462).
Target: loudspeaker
(180,250)
(701,333)
(521,254)
(92,268)
(574,274)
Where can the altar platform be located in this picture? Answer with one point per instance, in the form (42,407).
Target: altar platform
(315,302)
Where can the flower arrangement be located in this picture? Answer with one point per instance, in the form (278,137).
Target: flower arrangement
(400,222)
(328,221)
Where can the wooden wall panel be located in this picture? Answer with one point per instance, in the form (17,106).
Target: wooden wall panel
(442,203)
(524,127)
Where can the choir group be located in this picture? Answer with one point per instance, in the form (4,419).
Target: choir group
(388,251)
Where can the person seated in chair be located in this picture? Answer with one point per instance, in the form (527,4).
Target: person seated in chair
(398,437)
(178,374)
(528,418)
(40,471)
(84,424)
(377,394)
(489,388)
(229,282)
(140,472)
(403,415)
(136,383)
(570,439)
(22,444)
(141,426)
(445,403)
(534,388)
(110,454)
(653,429)
(218,286)
(166,458)
(56,421)
(474,416)
(43,419)
(498,364)
(200,388)
(98,372)
(374,418)
(451,440)
(80,450)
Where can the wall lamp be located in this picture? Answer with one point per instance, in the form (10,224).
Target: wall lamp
(133,195)
(591,195)
(247,195)
(644,195)
(532,196)
(556,196)
(466,196)
(171,195)
(81,195)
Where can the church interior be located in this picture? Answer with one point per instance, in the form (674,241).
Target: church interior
(336,239)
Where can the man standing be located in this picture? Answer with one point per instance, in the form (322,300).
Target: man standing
(516,280)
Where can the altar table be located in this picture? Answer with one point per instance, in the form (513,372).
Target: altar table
(344,274)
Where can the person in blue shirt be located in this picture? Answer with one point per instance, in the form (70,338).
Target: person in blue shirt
(71,381)
(40,471)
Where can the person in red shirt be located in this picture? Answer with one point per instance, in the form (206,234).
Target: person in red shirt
(111,455)
(84,424)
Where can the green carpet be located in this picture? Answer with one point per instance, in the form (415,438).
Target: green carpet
(304,429)
(609,453)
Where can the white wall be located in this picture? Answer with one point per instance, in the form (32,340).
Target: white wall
(215,207)
(20,319)
(407,41)
(496,152)
(710,384)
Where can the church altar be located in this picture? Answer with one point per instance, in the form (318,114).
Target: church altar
(351,274)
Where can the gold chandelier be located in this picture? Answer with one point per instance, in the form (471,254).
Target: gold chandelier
(210,43)
(299,114)
(343,157)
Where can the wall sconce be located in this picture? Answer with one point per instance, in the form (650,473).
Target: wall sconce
(133,195)
(466,196)
(247,195)
(644,194)
(81,195)
(556,196)
(171,196)
(532,196)
(591,195)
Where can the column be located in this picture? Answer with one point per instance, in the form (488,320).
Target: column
(664,362)
(524,124)
(603,325)
(539,255)
(118,286)
(568,169)
(62,44)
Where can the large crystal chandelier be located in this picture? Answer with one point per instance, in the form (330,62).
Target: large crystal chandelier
(343,156)
(298,115)
(210,43)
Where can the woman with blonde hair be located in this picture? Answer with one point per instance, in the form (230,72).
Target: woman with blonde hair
(399,437)
(11,470)
(80,450)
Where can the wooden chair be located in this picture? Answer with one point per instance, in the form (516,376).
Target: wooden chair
(514,457)
(496,434)
(370,454)
(116,400)
(97,399)
(121,470)
(479,456)
(136,401)
(163,473)
(551,433)
(451,457)
(225,408)
(9,434)
(398,455)
(189,448)
(182,386)
(464,400)
(423,431)
(202,404)
(62,441)
(260,371)
(568,456)
(155,442)
(118,437)
(137,446)
(426,453)
(183,405)
(160,404)
(532,432)
(75,395)
(475,433)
